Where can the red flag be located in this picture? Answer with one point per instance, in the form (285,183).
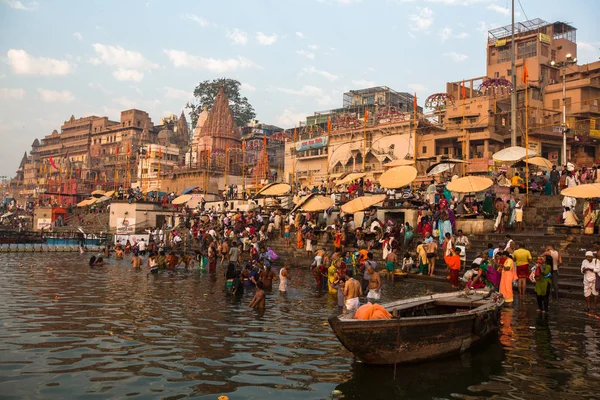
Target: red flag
(243,145)
(464,91)
(366,115)
(159,152)
(129,149)
(52,163)
(117,150)
(525,73)
(149,151)
(329,124)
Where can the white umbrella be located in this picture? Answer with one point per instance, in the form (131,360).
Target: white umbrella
(440,168)
(512,154)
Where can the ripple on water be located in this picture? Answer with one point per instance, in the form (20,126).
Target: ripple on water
(68,331)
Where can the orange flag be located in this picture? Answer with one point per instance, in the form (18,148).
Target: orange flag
(295,135)
(159,152)
(117,150)
(525,73)
(129,149)
(265,141)
(415,108)
(464,91)
(329,124)
(149,151)
(366,115)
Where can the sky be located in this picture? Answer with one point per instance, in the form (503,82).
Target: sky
(294,57)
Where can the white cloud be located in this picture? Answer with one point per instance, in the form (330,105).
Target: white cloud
(237,36)
(588,51)
(265,40)
(93,85)
(78,36)
(447,33)
(458,2)
(25,64)
(17,5)
(498,9)
(116,56)
(313,46)
(123,74)
(203,22)
(456,57)
(307,54)
(289,117)
(327,75)
(322,98)
(172,93)
(247,87)
(12,94)
(417,87)
(139,104)
(300,35)
(181,59)
(422,20)
(53,96)
(363,83)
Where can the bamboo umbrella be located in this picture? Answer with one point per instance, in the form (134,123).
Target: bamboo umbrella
(184,198)
(350,178)
(398,163)
(538,161)
(274,189)
(397,177)
(110,193)
(362,203)
(587,191)
(469,184)
(317,203)
(98,193)
(511,154)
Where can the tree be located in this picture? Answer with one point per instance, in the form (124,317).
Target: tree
(205,94)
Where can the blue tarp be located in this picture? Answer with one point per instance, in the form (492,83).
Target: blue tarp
(188,189)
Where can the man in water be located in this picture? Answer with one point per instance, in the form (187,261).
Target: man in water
(284,277)
(352,291)
(374,284)
(266,277)
(258,301)
(390,264)
(589,268)
(136,261)
(366,275)
(432,248)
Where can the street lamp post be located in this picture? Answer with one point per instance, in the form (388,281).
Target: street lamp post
(570,60)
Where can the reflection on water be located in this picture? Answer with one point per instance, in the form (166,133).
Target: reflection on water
(71,332)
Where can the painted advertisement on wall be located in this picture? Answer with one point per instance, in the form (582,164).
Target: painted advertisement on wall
(132,239)
(125,226)
(314,143)
(43,223)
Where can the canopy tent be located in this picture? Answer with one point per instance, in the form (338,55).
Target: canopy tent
(398,163)
(362,203)
(274,189)
(351,178)
(189,189)
(184,198)
(587,191)
(512,154)
(397,177)
(537,161)
(469,184)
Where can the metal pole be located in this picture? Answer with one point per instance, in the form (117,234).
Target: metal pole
(564,114)
(513,95)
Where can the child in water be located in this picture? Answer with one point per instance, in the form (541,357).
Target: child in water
(136,261)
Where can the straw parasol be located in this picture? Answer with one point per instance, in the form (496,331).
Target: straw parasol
(98,193)
(184,198)
(587,191)
(398,163)
(537,161)
(317,203)
(469,184)
(397,177)
(439,168)
(274,189)
(511,154)
(362,203)
(350,178)
(82,203)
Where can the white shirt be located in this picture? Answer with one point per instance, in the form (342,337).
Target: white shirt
(478,261)
(590,276)
(508,244)
(142,245)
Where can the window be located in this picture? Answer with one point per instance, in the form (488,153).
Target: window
(568,103)
(555,104)
(496,75)
(504,54)
(527,49)
(553,54)
(544,51)
(446,150)
(424,150)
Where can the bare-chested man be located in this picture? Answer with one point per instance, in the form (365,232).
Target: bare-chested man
(374,284)
(500,213)
(352,291)
(258,301)
(432,248)
(390,264)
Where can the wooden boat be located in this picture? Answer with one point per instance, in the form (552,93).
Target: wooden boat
(421,328)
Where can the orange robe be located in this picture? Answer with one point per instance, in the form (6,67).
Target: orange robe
(507,279)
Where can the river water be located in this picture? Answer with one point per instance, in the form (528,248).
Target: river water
(110,333)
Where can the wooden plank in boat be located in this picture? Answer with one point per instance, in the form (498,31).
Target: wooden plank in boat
(407,306)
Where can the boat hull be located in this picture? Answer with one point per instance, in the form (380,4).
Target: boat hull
(397,341)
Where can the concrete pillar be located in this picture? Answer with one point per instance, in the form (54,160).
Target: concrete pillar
(486,148)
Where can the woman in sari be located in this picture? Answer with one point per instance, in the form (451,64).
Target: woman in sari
(444,227)
(331,277)
(508,277)
(299,239)
(589,217)
(543,282)
(490,274)
(408,234)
